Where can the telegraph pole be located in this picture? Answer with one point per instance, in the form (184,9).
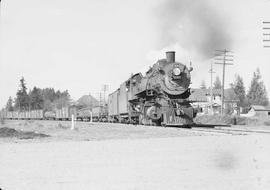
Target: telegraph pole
(223,57)
(104,88)
(266,34)
(90,99)
(211,88)
(100,99)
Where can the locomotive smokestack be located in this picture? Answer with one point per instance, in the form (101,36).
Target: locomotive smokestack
(170,56)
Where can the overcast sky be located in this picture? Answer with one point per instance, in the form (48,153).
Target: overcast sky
(80,45)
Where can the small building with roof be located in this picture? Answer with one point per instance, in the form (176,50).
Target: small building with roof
(258,110)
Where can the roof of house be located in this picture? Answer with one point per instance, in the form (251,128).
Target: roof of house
(200,95)
(260,108)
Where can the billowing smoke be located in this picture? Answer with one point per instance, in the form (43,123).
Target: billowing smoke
(194,25)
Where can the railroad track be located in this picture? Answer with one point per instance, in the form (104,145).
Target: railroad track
(224,129)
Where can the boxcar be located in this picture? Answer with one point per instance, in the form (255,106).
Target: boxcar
(113,106)
(123,99)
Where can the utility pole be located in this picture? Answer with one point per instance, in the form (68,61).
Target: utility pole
(100,99)
(90,99)
(211,88)
(266,34)
(104,88)
(223,57)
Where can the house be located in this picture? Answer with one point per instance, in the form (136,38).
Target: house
(202,98)
(257,110)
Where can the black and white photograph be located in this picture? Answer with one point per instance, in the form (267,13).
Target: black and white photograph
(134,95)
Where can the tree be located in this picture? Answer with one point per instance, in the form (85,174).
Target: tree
(9,105)
(36,98)
(22,99)
(257,94)
(240,91)
(217,83)
(203,85)
(63,99)
(54,99)
(49,94)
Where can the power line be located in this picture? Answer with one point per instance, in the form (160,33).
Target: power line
(222,59)
(266,33)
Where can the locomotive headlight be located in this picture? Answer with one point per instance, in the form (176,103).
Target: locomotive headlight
(176,71)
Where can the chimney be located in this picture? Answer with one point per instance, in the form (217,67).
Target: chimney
(170,56)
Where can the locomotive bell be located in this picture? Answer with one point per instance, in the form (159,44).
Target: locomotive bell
(170,56)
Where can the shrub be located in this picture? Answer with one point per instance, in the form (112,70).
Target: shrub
(60,125)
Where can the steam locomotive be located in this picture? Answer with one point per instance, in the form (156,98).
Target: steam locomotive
(161,97)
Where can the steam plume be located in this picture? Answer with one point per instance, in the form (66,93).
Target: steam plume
(194,25)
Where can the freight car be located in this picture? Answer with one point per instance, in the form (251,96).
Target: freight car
(84,114)
(65,113)
(161,97)
(50,115)
(24,115)
(100,113)
(59,114)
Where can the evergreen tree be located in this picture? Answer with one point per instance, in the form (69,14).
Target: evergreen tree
(63,99)
(22,99)
(217,83)
(257,94)
(55,99)
(46,99)
(9,105)
(48,105)
(203,85)
(240,91)
(49,94)
(36,98)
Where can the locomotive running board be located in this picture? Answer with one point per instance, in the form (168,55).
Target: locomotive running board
(210,125)
(197,125)
(179,126)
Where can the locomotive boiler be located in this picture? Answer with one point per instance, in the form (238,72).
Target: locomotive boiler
(158,98)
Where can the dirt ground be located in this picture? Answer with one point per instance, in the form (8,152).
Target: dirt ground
(85,131)
(113,156)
